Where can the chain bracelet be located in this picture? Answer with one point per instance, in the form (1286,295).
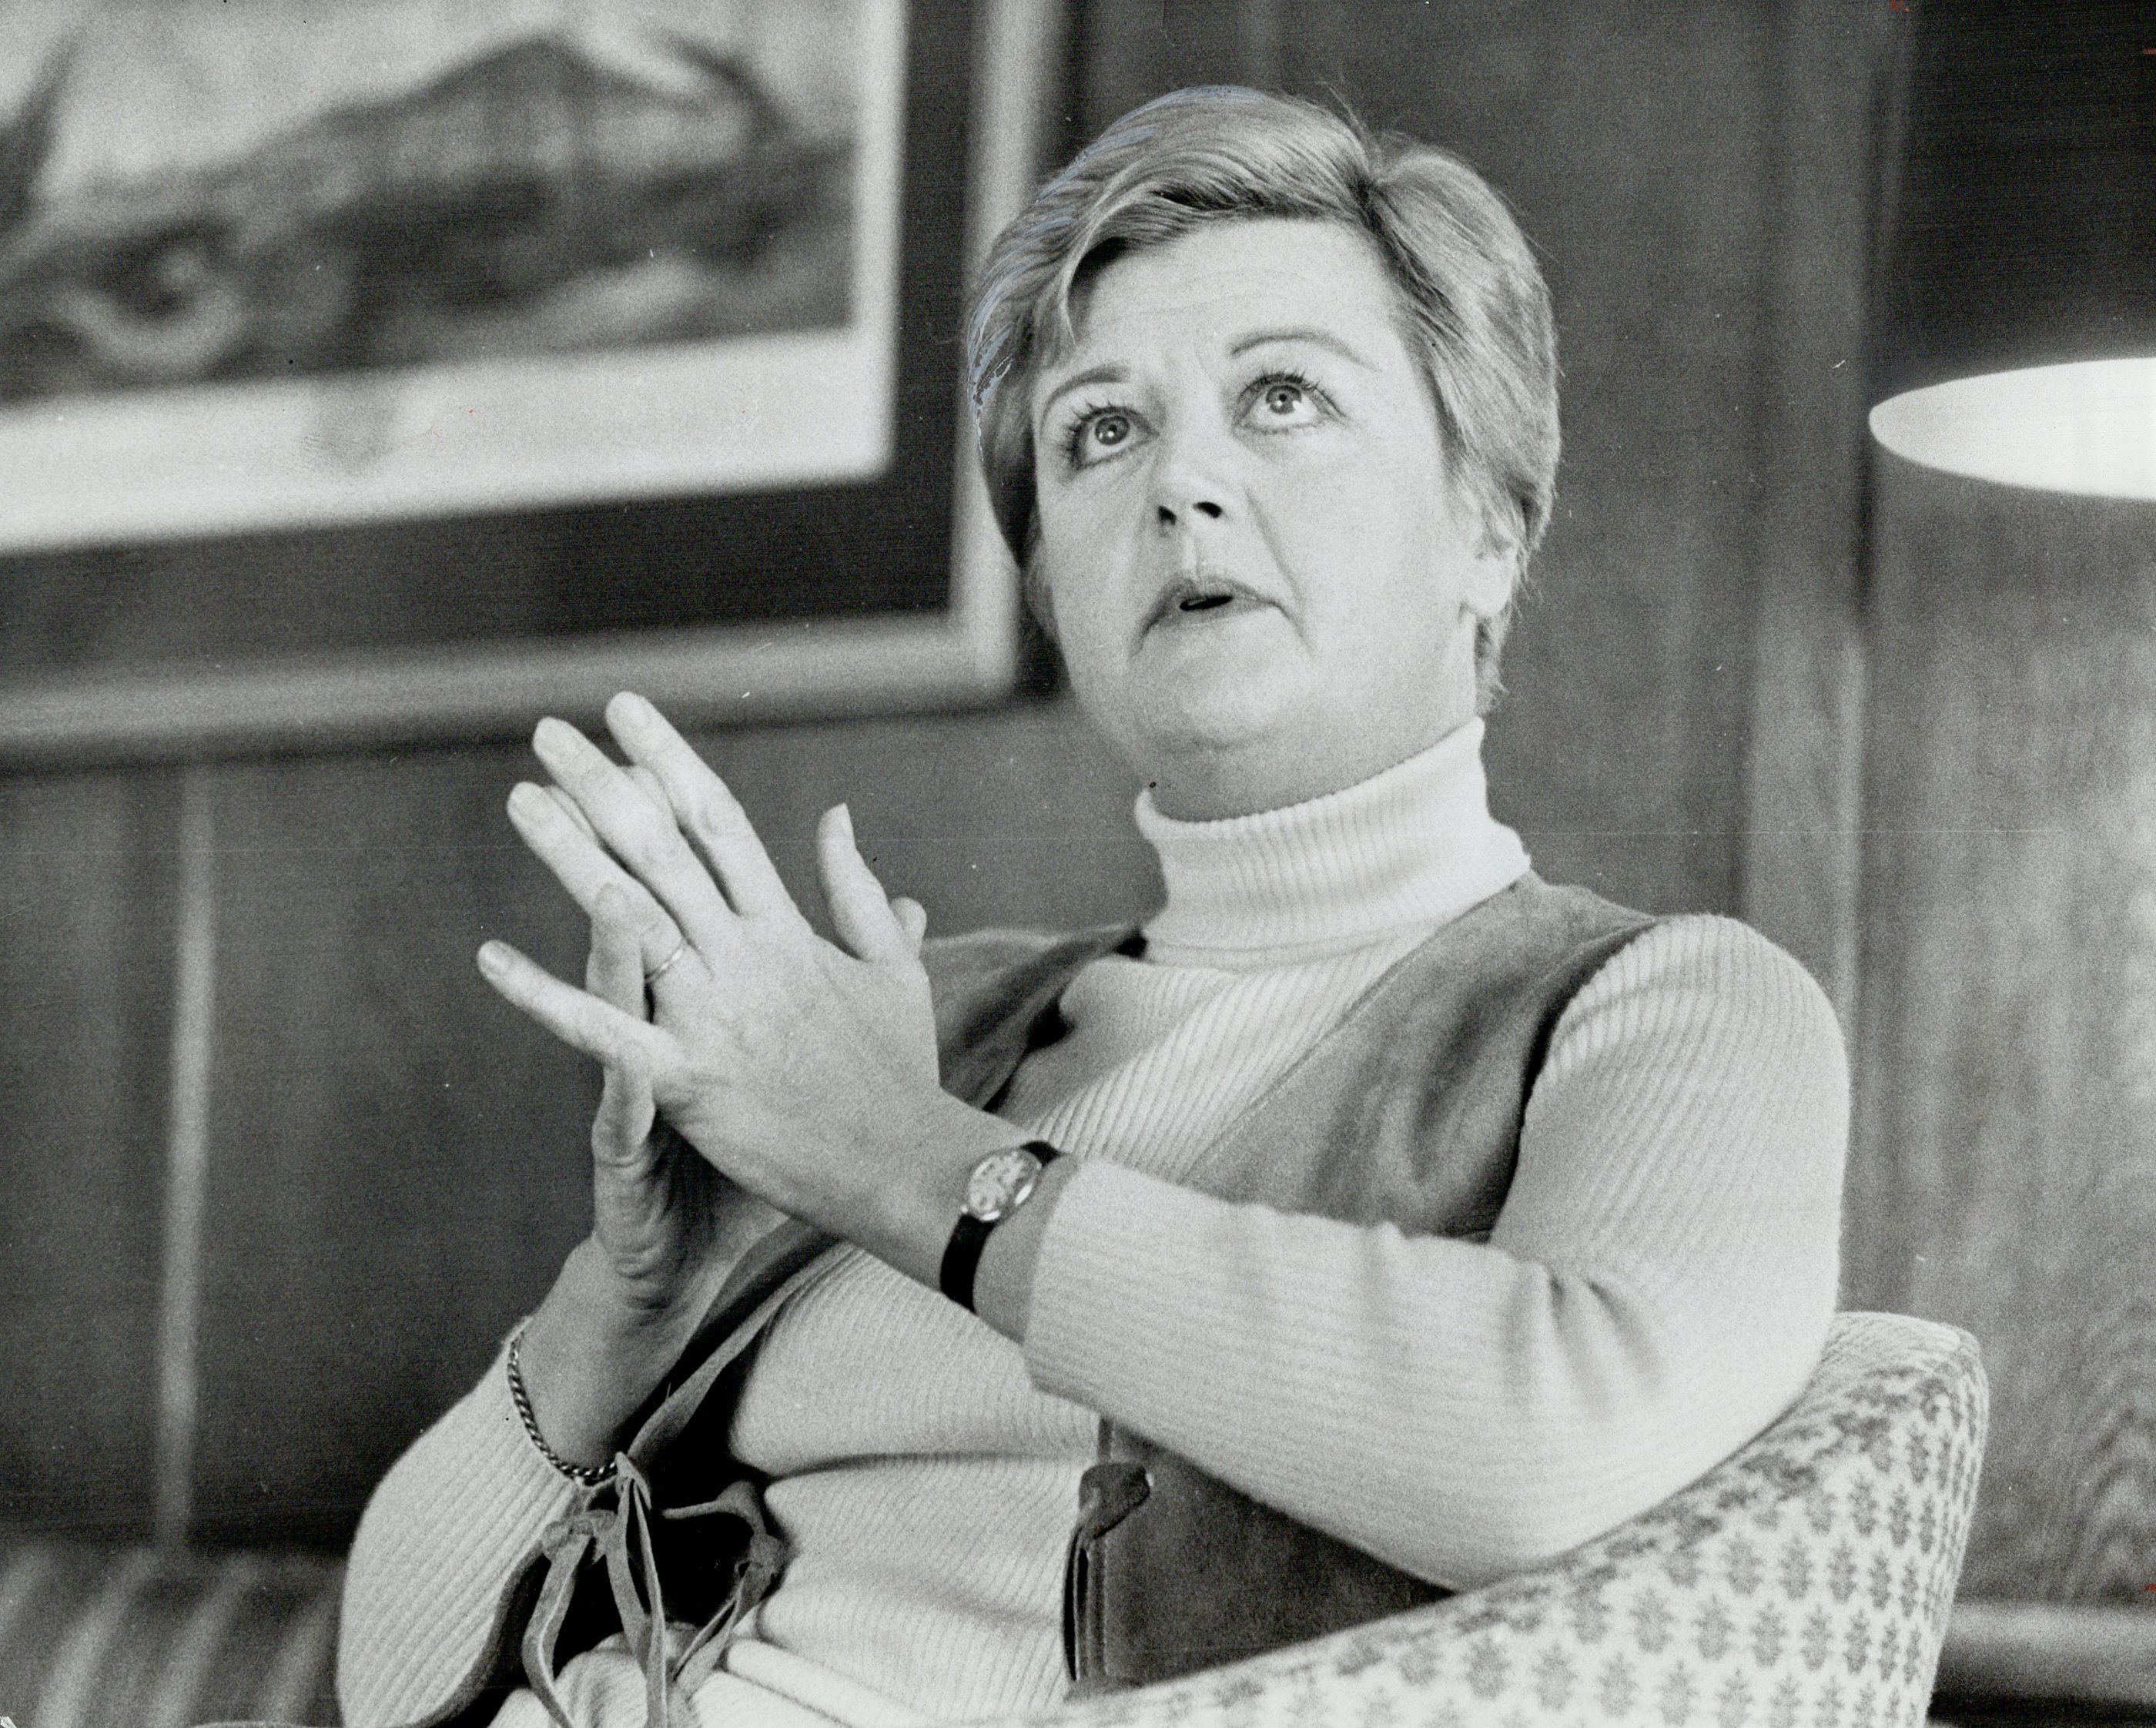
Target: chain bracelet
(588,1475)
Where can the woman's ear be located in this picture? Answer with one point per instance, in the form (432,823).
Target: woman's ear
(1494,567)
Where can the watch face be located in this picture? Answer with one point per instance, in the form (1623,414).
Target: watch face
(1000,1182)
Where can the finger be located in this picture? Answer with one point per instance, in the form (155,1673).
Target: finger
(648,844)
(567,806)
(706,809)
(863,915)
(648,784)
(621,1129)
(567,847)
(614,974)
(912,919)
(579,1020)
(614,971)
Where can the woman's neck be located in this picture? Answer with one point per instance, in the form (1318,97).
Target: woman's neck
(1413,845)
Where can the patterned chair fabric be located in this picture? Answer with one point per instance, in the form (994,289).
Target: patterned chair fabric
(1804,1583)
(112,1637)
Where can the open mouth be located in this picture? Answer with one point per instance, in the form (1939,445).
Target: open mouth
(1196,595)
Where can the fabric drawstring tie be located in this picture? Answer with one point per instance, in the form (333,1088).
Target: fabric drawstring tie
(620,1534)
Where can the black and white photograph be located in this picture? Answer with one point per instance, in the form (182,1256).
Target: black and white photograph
(1077,863)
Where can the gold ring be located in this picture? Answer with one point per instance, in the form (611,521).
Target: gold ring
(658,971)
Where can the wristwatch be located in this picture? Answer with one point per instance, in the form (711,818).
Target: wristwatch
(1000,1184)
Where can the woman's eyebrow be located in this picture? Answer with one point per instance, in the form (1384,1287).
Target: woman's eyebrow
(1109,373)
(1300,333)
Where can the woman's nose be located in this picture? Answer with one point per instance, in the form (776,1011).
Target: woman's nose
(1191,478)
(1187,510)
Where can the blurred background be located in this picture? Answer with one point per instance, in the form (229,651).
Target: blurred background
(1903,722)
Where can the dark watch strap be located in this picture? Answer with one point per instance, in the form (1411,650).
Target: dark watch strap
(969,1235)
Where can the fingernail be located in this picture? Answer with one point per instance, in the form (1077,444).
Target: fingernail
(846,816)
(633,710)
(527,799)
(493,957)
(547,734)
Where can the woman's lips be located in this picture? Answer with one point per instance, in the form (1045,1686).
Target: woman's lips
(1205,598)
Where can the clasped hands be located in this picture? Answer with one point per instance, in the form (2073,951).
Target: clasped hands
(802,1071)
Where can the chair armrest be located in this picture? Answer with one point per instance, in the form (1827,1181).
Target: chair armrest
(1805,1579)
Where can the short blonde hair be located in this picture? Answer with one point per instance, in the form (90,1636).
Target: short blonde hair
(1473,303)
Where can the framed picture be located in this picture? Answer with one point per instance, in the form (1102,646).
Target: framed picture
(392,367)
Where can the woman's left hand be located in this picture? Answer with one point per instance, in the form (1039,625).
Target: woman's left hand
(804,1071)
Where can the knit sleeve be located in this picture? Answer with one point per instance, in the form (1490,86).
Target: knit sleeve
(1655,1291)
(449,1529)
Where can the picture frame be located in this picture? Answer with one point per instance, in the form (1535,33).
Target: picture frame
(751,521)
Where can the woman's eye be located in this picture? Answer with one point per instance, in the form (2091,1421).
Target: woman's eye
(1285,402)
(1105,431)
(1097,436)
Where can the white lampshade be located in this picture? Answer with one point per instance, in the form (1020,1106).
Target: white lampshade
(2088,426)
(2016,328)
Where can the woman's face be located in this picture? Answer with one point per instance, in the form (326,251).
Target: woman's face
(1264,585)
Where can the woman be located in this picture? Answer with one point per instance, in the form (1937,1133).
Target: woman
(1377,1221)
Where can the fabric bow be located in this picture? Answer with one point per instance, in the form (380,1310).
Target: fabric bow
(620,1534)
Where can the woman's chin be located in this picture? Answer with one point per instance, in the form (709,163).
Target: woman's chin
(1213,722)
(1196,697)
(1225,700)
(1223,680)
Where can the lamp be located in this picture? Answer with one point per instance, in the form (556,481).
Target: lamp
(2016,315)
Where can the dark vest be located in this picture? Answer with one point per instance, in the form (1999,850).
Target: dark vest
(1407,1111)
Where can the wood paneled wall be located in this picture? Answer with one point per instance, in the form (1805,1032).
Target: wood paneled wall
(2007,1082)
(86,876)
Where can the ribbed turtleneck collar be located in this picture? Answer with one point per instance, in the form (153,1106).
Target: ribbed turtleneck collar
(1413,845)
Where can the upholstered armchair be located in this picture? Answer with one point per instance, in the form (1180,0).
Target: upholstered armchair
(1803,1583)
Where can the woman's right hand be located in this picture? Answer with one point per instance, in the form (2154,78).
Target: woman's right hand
(666,1228)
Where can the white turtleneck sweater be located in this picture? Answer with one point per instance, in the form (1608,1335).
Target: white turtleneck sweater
(1655,1290)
